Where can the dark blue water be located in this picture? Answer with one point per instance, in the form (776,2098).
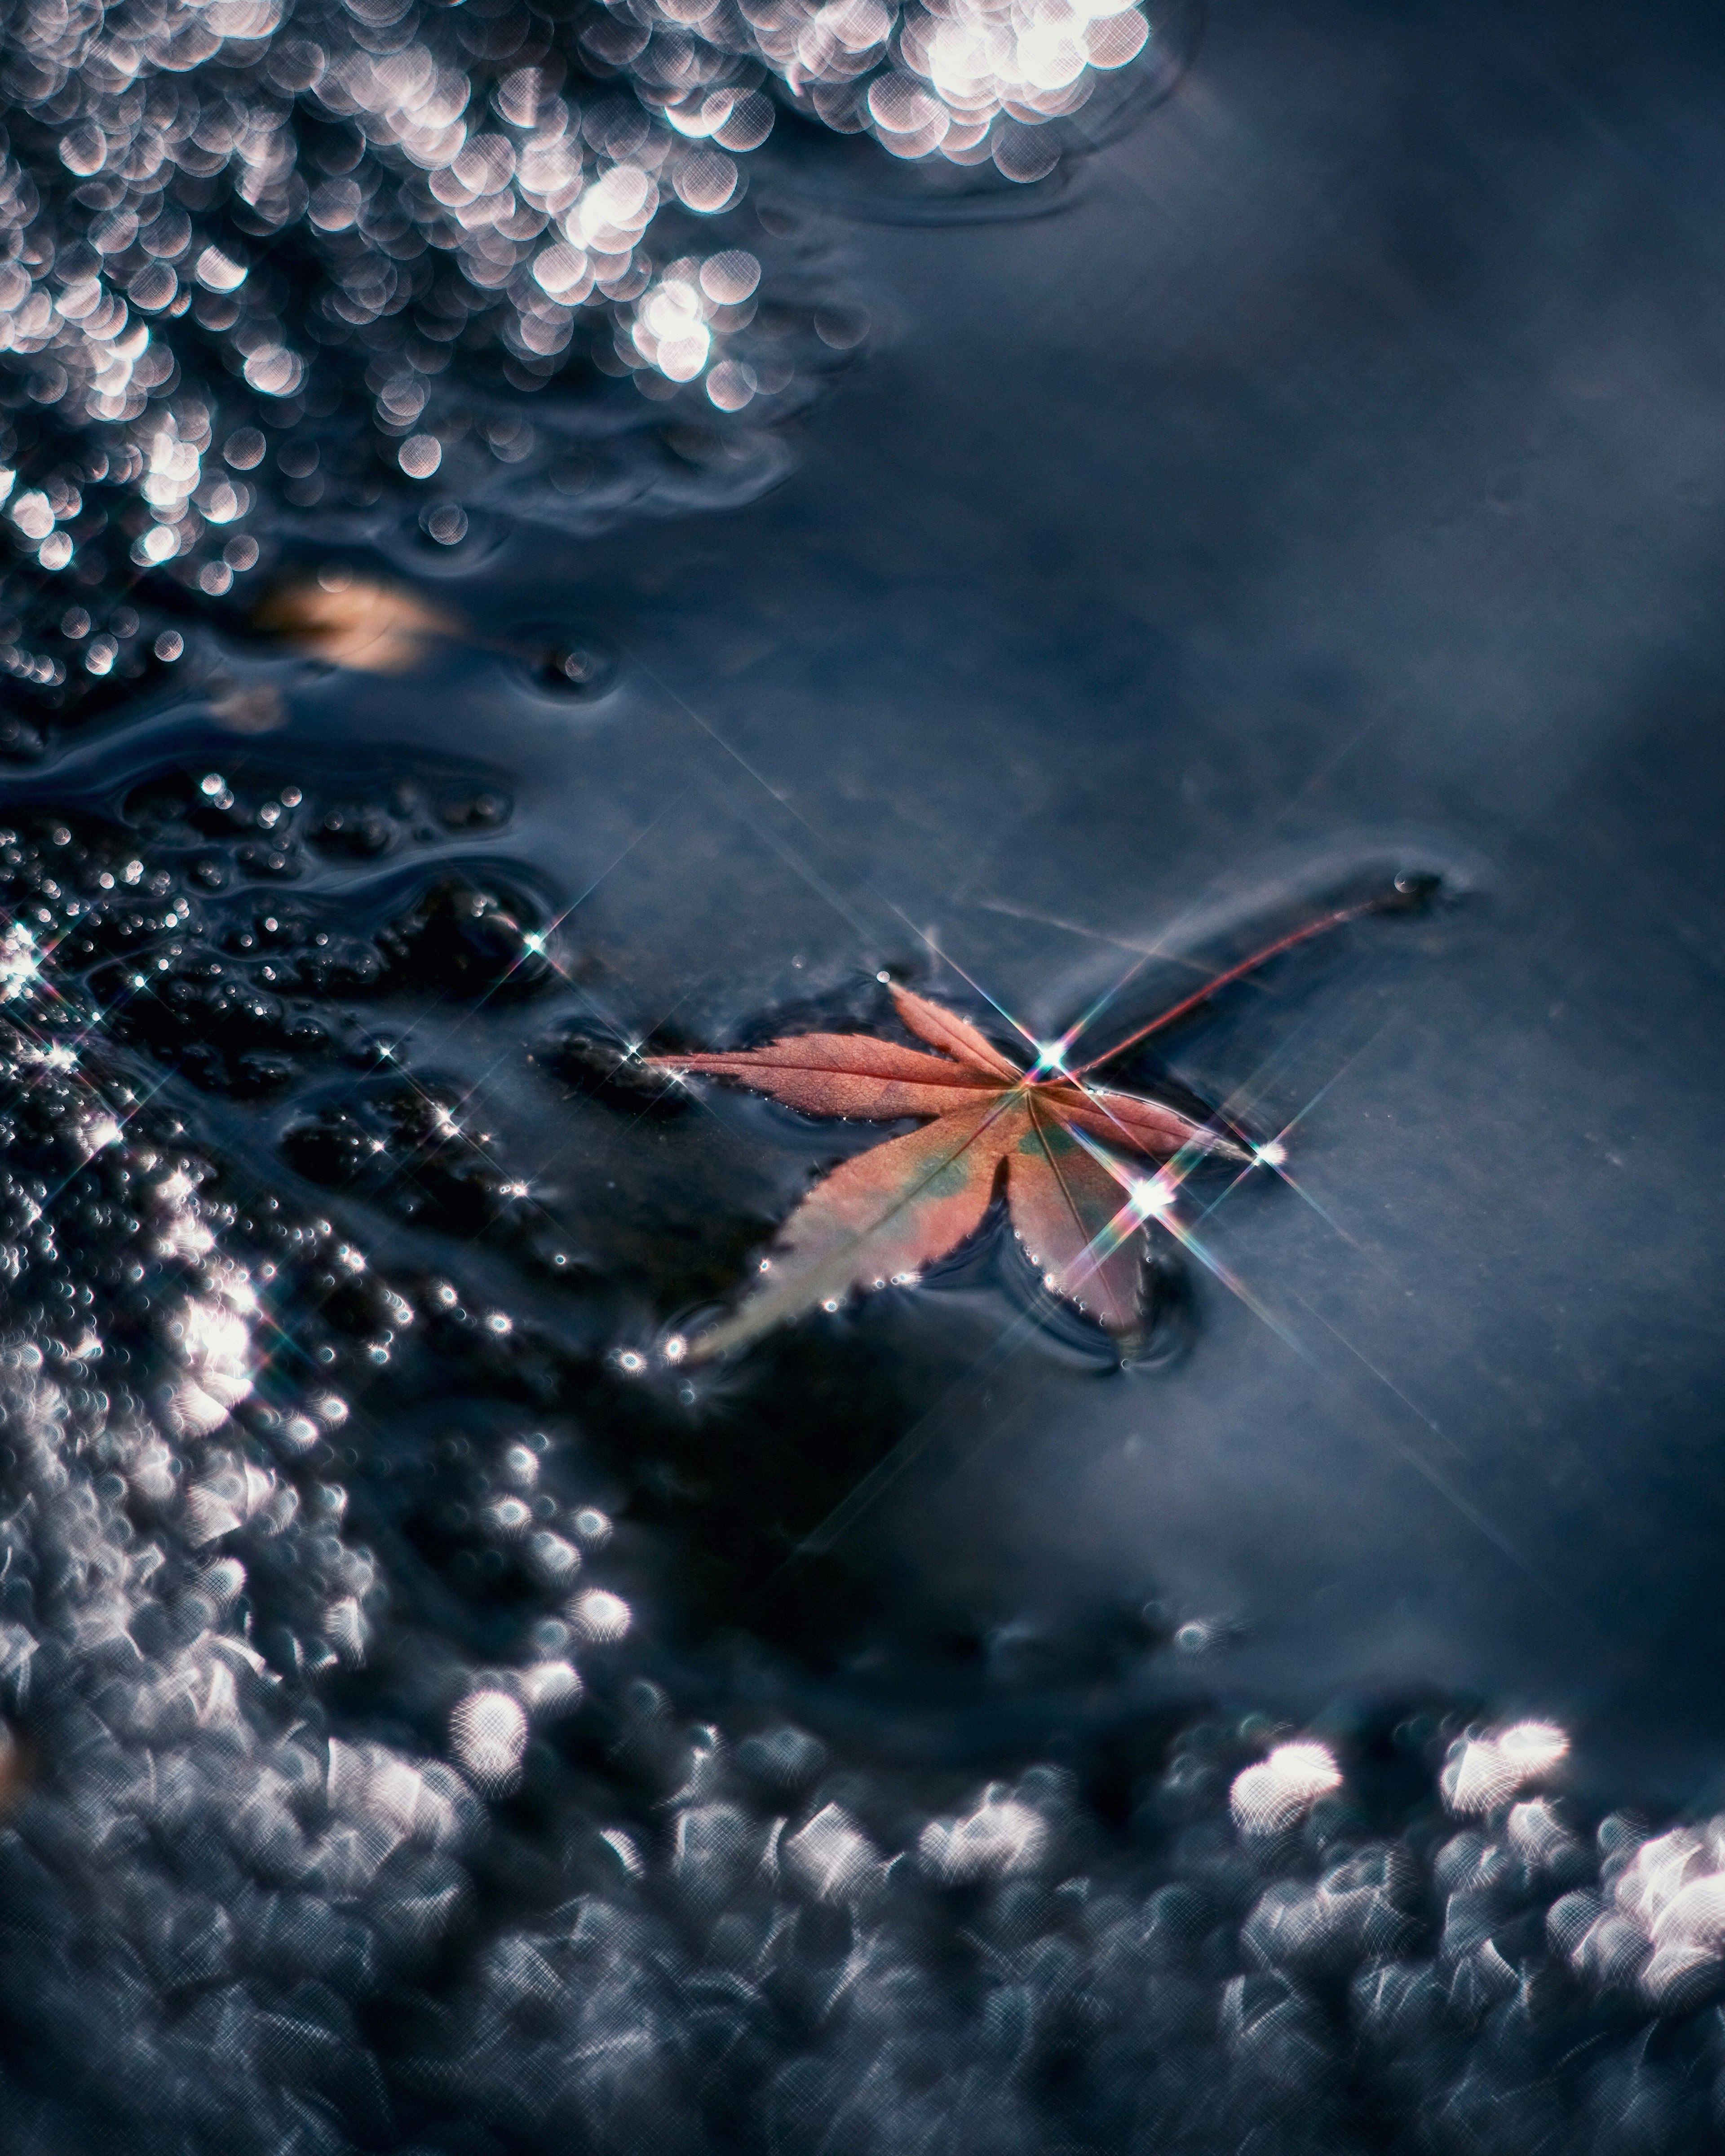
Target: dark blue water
(436,1720)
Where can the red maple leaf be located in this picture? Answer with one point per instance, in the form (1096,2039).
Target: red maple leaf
(1064,1148)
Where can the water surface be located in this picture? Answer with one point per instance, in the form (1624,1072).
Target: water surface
(1316,483)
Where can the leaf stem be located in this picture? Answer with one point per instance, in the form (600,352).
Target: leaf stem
(1318,927)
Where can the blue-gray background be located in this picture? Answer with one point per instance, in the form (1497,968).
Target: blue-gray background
(1337,476)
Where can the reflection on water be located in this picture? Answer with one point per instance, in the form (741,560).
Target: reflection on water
(405,1663)
(383,1769)
(389,259)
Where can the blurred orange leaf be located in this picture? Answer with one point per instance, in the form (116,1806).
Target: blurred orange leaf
(372,628)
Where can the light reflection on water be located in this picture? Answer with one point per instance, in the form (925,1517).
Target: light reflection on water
(355,1741)
(388,257)
(355,1793)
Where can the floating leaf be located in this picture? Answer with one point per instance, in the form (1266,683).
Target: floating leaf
(885,1215)
(349,621)
(1062,1148)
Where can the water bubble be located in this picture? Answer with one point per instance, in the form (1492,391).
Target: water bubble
(296,64)
(564,272)
(598,1616)
(167,236)
(83,150)
(910,120)
(420,456)
(224,1581)
(554,1558)
(1112,41)
(1483,1771)
(243,448)
(831,1856)
(275,371)
(446,523)
(746,119)
(550,1688)
(169,645)
(707,182)
(520,1463)
(1274,1796)
(34,515)
(1001,1836)
(580,668)
(730,278)
(218,272)
(582,663)
(488,1733)
(153,287)
(730,385)
(1025,154)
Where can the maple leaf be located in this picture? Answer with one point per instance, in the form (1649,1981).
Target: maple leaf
(884,1214)
(1055,1140)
